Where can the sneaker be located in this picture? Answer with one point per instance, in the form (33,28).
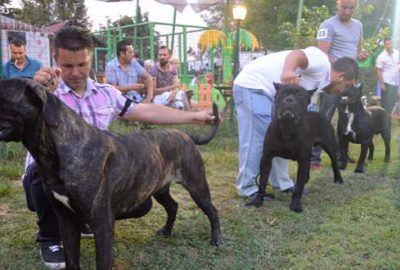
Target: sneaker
(86,232)
(52,255)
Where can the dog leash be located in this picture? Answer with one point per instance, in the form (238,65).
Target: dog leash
(128,103)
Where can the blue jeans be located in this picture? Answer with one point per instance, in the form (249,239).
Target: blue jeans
(329,103)
(254,111)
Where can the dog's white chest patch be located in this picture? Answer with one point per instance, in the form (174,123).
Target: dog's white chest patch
(63,199)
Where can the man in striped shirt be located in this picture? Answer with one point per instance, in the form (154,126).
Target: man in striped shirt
(99,105)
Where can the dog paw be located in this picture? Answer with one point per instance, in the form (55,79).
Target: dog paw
(255,201)
(164,232)
(216,242)
(338,181)
(296,207)
(359,170)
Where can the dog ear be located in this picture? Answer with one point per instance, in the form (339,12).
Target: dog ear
(277,86)
(49,105)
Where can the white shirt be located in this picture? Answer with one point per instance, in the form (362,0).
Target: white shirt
(262,72)
(389,64)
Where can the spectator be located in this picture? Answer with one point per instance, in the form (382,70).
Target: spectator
(254,93)
(166,83)
(123,73)
(98,104)
(387,70)
(20,64)
(339,36)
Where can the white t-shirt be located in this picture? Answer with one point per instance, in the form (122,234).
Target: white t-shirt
(389,63)
(262,72)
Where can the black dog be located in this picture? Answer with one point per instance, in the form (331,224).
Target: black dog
(359,125)
(292,133)
(93,176)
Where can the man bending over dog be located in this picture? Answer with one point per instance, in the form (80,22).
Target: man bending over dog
(254,94)
(99,105)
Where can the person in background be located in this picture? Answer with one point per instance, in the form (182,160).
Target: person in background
(339,36)
(166,82)
(123,72)
(20,64)
(387,70)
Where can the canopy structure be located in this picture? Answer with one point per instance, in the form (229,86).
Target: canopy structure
(212,38)
(248,40)
(199,6)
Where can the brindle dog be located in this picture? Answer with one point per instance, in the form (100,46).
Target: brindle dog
(93,176)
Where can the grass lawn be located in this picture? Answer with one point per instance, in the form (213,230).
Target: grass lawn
(351,226)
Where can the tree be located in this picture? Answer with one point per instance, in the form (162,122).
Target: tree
(46,12)
(305,35)
(142,33)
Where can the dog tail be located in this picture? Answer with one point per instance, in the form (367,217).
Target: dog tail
(203,139)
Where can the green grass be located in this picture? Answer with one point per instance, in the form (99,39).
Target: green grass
(349,226)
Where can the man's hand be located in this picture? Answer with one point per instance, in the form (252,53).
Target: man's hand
(362,56)
(137,87)
(172,96)
(204,117)
(289,77)
(47,76)
(383,88)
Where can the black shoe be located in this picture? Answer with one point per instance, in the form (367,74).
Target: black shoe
(288,190)
(267,196)
(52,255)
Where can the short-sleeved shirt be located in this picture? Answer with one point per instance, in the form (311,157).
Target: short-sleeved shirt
(99,106)
(344,37)
(118,76)
(29,70)
(389,63)
(262,72)
(163,78)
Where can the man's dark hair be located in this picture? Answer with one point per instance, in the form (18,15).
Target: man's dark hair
(348,66)
(163,47)
(73,38)
(121,46)
(386,39)
(17,42)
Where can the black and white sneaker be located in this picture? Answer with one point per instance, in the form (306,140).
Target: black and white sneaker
(52,255)
(86,232)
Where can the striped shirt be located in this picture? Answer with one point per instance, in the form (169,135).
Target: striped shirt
(99,106)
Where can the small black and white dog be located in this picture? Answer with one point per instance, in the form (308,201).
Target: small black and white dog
(358,124)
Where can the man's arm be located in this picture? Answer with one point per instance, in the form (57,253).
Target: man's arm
(361,54)
(148,83)
(125,89)
(160,90)
(162,115)
(380,78)
(295,59)
(325,46)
